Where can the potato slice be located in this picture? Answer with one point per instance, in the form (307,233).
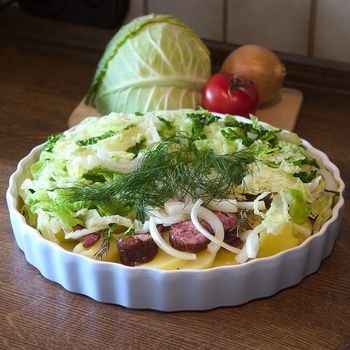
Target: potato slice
(112,253)
(204,260)
(164,261)
(224,258)
(271,243)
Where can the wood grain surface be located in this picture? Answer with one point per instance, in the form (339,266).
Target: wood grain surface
(39,87)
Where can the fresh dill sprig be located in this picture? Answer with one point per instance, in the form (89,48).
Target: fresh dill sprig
(173,166)
(242,220)
(106,241)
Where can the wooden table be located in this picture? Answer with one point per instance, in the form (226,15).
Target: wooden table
(39,87)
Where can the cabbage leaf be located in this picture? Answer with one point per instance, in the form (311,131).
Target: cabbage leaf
(153,63)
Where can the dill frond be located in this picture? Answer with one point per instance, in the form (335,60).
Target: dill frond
(171,166)
(104,246)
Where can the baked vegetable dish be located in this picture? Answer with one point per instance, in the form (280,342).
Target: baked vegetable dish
(185,189)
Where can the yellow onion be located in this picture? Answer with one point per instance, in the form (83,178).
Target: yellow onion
(260,65)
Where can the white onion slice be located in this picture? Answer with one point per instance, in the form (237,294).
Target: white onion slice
(162,244)
(107,220)
(167,220)
(242,256)
(123,167)
(224,205)
(243,236)
(174,219)
(250,205)
(252,245)
(84,232)
(173,207)
(215,223)
(141,227)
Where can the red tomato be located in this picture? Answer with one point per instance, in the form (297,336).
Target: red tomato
(225,93)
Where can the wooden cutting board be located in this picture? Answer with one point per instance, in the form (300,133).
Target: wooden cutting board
(281,112)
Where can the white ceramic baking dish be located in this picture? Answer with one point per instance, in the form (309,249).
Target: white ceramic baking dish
(146,288)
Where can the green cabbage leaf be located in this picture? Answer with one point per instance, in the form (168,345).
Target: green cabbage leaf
(153,63)
(321,209)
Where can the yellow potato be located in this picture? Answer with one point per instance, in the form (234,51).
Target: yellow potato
(224,257)
(300,235)
(112,253)
(204,260)
(271,244)
(67,244)
(164,261)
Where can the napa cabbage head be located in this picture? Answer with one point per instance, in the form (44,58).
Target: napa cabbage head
(153,63)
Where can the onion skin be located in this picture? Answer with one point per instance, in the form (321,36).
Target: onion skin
(260,65)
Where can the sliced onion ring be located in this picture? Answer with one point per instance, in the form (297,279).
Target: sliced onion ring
(85,231)
(224,205)
(252,245)
(215,223)
(250,205)
(162,244)
(173,207)
(166,220)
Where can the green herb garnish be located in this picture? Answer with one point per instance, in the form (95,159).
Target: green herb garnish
(244,131)
(167,123)
(232,134)
(51,142)
(307,161)
(171,166)
(106,242)
(99,174)
(336,193)
(136,148)
(95,139)
(199,121)
(306,177)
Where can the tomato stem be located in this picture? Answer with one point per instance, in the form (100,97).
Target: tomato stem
(235,83)
(238,83)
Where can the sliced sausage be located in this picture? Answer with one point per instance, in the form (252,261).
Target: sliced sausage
(229,220)
(233,240)
(137,249)
(185,237)
(89,240)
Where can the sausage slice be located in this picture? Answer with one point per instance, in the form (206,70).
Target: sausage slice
(137,249)
(185,237)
